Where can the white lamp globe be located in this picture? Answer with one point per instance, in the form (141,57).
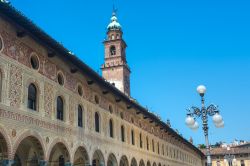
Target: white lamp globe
(189,121)
(195,126)
(201,89)
(217,118)
(234,160)
(220,125)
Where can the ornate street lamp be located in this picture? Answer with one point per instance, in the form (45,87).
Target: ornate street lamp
(204,112)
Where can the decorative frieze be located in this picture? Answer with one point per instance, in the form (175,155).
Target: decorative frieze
(72,110)
(50,70)
(71,82)
(15,86)
(28,120)
(48,99)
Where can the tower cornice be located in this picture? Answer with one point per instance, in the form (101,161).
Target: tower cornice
(115,40)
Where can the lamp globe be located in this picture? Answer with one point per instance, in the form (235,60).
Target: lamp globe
(201,89)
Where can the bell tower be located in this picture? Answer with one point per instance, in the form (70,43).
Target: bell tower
(115,68)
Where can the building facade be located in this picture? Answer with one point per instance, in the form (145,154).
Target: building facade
(231,156)
(55,110)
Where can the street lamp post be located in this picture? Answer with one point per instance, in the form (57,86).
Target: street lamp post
(204,112)
(229,158)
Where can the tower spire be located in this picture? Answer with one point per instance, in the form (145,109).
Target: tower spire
(114,24)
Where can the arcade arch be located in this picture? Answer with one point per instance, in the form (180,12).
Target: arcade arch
(124,161)
(29,152)
(112,160)
(98,159)
(59,155)
(81,157)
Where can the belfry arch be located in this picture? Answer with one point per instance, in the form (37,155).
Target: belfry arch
(112,160)
(29,152)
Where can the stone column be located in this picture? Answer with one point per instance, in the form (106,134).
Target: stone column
(7,162)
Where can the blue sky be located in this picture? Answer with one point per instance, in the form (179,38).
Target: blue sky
(173,46)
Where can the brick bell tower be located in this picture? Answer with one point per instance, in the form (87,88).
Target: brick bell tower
(115,68)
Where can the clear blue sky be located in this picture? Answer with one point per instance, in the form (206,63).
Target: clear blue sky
(173,46)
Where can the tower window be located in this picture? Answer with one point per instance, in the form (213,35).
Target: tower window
(80,115)
(32,95)
(59,108)
(112,50)
(112,37)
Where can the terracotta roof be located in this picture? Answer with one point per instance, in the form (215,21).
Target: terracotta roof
(244,145)
(19,20)
(223,151)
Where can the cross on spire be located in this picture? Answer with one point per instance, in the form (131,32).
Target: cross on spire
(114,8)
